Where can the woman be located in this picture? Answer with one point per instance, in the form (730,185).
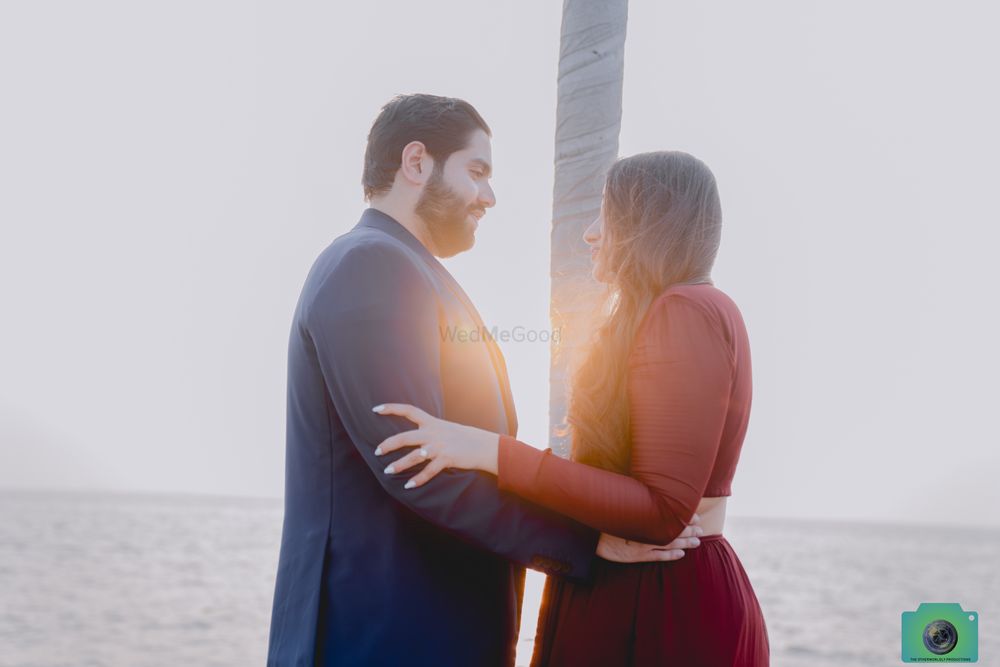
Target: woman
(658,413)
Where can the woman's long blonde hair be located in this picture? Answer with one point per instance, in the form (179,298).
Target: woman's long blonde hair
(662,227)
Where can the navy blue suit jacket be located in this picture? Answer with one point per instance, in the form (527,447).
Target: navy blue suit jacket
(371,573)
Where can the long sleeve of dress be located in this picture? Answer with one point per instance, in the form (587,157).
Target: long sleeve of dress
(680,379)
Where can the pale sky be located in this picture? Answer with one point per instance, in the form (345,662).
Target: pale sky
(169,172)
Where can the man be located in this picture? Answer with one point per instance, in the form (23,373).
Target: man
(361,554)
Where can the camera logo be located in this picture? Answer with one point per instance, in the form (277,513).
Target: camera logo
(940,632)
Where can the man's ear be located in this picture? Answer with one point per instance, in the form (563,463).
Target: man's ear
(416,163)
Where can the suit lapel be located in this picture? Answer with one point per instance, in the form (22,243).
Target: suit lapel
(379,220)
(496,356)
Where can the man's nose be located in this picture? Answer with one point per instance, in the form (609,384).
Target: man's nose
(486,196)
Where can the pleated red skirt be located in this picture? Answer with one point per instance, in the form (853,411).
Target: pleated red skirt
(699,611)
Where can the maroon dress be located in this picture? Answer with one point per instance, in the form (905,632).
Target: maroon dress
(689,389)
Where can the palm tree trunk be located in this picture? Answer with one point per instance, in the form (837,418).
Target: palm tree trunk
(588,120)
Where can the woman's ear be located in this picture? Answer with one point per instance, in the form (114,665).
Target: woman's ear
(416,163)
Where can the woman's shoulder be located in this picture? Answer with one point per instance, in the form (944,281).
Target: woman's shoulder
(705,297)
(689,312)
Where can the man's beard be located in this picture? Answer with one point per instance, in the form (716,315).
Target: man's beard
(446,217)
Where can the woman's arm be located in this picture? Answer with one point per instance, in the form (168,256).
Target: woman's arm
(679,387)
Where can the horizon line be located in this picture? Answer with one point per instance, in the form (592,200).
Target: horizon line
(192,495)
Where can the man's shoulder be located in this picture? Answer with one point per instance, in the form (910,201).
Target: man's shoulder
(367,263)
(364,250)
(368,243)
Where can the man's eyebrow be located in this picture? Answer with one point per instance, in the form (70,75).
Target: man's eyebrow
(484,164)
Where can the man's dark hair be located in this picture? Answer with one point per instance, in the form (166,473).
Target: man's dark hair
(442,124)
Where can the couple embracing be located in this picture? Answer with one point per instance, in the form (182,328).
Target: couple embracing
(411,509)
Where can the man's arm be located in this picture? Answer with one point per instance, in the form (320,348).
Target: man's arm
(375,326)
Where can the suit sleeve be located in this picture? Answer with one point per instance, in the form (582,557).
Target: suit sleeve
(375,325)
(679,385)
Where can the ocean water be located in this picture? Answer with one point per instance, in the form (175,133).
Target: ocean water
(134,581)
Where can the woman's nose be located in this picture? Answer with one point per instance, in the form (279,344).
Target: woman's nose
(593,233)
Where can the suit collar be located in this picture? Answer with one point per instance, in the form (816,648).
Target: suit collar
(372,217)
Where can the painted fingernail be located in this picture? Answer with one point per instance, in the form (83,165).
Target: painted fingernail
(389,470)
(378,408)
(378,451)
(409,485)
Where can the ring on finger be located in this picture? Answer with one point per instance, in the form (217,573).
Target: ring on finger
(423,453)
